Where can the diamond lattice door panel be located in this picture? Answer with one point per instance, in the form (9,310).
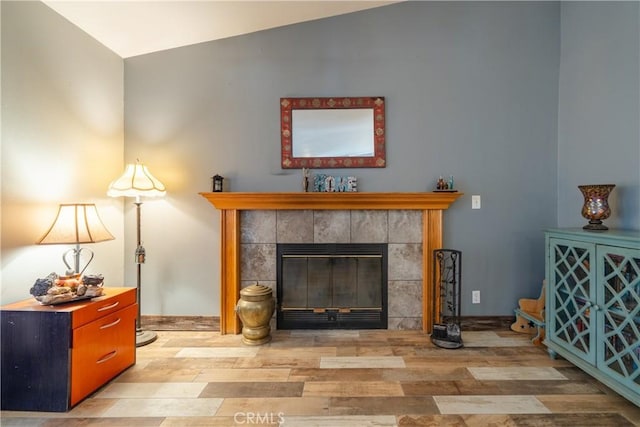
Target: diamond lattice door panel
(620,275)
(573,298)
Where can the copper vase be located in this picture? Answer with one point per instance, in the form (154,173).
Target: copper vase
(596,205)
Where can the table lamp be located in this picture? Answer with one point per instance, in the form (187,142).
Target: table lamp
(76,224)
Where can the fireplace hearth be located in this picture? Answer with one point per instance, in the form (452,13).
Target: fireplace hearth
(331,286)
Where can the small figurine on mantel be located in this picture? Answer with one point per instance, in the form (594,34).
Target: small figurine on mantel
(442,184)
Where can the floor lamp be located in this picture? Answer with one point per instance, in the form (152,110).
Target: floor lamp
(137,181)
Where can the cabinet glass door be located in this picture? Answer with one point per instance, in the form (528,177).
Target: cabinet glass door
(571,297)
(619,350)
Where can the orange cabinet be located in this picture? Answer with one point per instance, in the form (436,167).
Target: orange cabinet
(55,356)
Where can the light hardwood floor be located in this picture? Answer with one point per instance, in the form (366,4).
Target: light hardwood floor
(373,378)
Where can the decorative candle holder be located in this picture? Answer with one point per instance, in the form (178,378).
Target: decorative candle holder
(596,205)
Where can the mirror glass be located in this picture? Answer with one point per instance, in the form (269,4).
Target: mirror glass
(323,133)
(332,132)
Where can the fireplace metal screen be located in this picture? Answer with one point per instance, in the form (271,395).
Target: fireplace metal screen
(332,286)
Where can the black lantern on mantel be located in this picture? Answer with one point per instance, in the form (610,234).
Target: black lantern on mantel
(447,278)
(217,183)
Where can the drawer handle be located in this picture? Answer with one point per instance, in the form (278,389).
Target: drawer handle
(109,307)
(114,323)
(107,357)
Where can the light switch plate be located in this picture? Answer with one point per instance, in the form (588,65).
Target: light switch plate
(475,297)
(475,201)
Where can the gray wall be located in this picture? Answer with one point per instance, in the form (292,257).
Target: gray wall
(517,100)
(62,141)
(471,90)
(599,109)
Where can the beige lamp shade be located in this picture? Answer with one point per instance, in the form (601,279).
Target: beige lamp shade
(75,224)
(136,181)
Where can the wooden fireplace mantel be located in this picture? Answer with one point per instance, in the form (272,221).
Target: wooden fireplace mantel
(230,204)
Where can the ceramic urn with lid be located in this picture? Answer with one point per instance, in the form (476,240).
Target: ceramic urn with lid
(255,309)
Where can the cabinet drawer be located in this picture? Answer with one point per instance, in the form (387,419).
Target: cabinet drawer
(112,301)
(101,350)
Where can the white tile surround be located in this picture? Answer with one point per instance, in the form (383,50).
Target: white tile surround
(261,230)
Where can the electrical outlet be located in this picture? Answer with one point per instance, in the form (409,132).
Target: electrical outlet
(475,201)
(475,297)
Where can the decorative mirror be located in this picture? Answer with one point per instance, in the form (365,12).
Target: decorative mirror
(332,132)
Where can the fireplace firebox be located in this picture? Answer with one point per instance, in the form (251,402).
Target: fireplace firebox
(331,286)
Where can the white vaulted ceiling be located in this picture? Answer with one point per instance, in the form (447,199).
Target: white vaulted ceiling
(131,28)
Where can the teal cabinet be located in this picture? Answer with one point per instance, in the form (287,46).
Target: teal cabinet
(593,304)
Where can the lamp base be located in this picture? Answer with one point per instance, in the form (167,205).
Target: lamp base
(145,337)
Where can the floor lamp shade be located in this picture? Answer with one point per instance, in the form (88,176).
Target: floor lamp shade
(76,224)
(137,181)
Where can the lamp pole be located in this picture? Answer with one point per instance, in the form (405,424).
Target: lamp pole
(142,337)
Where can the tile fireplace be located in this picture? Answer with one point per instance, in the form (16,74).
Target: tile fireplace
(253,224)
